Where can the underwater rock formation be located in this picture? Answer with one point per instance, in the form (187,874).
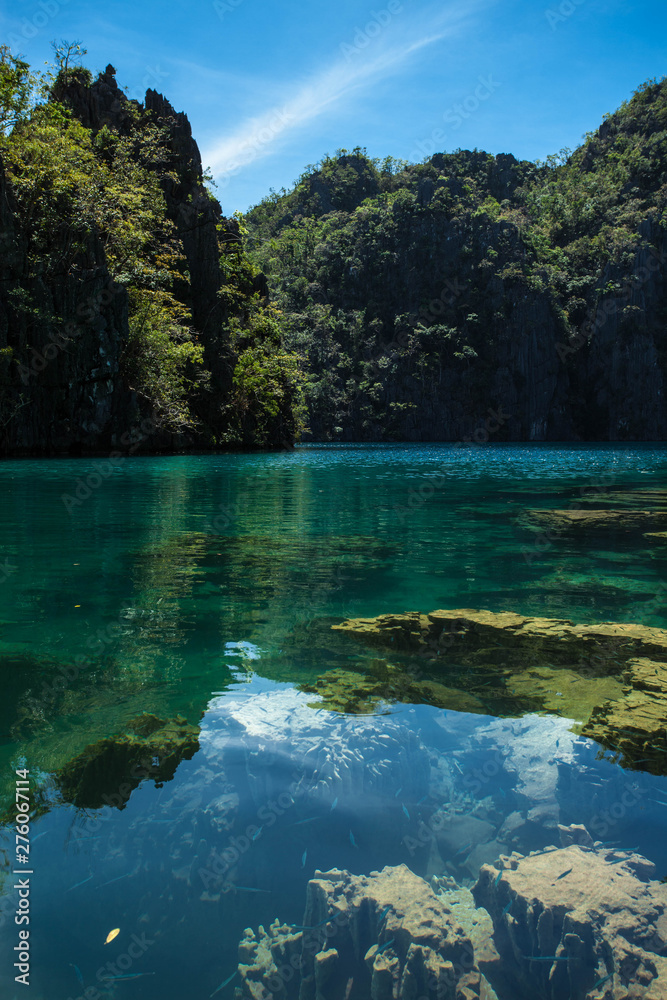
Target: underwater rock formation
(658,537)
(636,724)
(598,520)
(386,936)
(493,637)
(612,677)
(106,772)
(361,693)
(574,922)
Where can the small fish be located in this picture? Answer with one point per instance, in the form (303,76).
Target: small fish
(77,884)
(303,858)
(301,927)
(248,888)
(300,822)
(398,792)
(498,878)
(128,975)
(462,850)
(222,985)
(546,958)
(506,909)
(44,834)
(406,812)
(257,832)
(603,980)
(385,945)
(77,973)
(116,879)
(352,840)
(557,743)
(112,934)
(384,913)
(334,804)
(563,874)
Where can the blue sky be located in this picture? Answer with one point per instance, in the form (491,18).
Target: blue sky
(271,87)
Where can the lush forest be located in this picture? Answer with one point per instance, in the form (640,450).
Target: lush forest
(130,314)
(420,295)
(467,296)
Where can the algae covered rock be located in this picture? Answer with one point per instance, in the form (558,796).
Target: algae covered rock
(487,636)
(611,677)
(577,923)
(363,693)
(598,520)
(106,772)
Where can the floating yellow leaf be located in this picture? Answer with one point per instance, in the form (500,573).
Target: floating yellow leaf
(112,934)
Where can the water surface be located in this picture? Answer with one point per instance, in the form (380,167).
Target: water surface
(204,587)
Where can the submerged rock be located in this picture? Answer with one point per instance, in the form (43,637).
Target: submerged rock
(611,677)
(636,724)
(362,693)
(106,772)
(488,637)
(386,936)
(659,537)
(573,923)
(598,520)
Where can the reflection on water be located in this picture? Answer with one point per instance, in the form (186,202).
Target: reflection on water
(197,594)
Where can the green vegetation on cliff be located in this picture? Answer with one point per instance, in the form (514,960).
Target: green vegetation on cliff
(409,287)
(467,296)
(98,183)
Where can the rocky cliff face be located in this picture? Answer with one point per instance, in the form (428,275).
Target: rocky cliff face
(62,335)
(430,296)
(66,394)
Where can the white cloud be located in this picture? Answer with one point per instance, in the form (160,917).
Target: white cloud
(361,63)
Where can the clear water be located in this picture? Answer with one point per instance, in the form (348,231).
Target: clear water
(205,587)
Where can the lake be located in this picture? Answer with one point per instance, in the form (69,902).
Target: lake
(200,741)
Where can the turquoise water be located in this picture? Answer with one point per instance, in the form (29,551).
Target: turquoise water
(205,587)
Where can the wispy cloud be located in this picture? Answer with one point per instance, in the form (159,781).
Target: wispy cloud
(357,67)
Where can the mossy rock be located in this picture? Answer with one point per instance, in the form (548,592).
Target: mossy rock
(610,677)
(362,694)
(597,520)
(106,772)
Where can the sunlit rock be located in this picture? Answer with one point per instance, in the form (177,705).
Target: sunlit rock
(573,923)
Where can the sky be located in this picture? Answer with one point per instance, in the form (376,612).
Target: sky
(270,88)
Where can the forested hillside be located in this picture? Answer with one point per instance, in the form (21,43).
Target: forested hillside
(468,296)
(130,316)
(424,296)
